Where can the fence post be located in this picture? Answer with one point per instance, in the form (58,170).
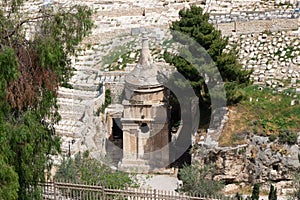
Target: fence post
(154,194)
(54,190)
(103,195)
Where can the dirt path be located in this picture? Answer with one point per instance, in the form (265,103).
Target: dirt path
(158,182)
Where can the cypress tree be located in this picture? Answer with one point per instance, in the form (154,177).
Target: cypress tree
(273,193)
(255,192)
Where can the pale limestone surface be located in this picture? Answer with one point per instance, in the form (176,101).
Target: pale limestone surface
(158,182)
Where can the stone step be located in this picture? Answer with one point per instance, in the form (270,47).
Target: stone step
(85,69)
(69,127)
(77,94)
(88,63)
(72,117)
(84,57)
(70,114)
(86,87)
(71,105)
(74,123)
(66,101)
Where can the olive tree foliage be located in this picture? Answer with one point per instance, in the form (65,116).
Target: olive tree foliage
(199,180)
(83,169)
(32,66)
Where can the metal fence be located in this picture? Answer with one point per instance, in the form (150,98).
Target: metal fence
(76,191)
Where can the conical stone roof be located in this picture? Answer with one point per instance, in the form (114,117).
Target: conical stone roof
(145,72)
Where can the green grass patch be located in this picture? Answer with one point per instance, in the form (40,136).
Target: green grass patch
(273,110)
(269,113)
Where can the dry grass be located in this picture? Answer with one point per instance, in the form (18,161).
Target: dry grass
(237,125)
(243,189)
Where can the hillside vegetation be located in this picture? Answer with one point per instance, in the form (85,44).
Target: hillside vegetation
(265,112)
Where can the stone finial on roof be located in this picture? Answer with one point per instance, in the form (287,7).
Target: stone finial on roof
(145,56)
(146,71)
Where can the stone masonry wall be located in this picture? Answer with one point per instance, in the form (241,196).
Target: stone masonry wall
(274,57)
(257,26)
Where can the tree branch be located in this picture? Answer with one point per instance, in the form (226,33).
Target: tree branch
(34,19)
(24,22)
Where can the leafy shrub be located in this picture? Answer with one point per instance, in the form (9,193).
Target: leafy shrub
(199,180)
(287,136)
(272,137)
(83,169)
(107,101)
(255,130)
(238,196)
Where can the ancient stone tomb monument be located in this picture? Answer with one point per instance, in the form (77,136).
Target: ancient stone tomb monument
(143,123)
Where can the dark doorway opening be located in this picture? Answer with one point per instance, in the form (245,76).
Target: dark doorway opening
(117,132)
(114,147)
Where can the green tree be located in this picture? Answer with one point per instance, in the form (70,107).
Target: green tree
(199,180)
(107,100)
(255,192)
(273,193)
(193,24)
(87,170)
(238,196)
(32,66)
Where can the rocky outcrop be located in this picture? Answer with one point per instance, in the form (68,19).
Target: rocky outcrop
(259,161)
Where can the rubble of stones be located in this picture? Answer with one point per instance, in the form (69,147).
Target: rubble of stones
(260,160)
